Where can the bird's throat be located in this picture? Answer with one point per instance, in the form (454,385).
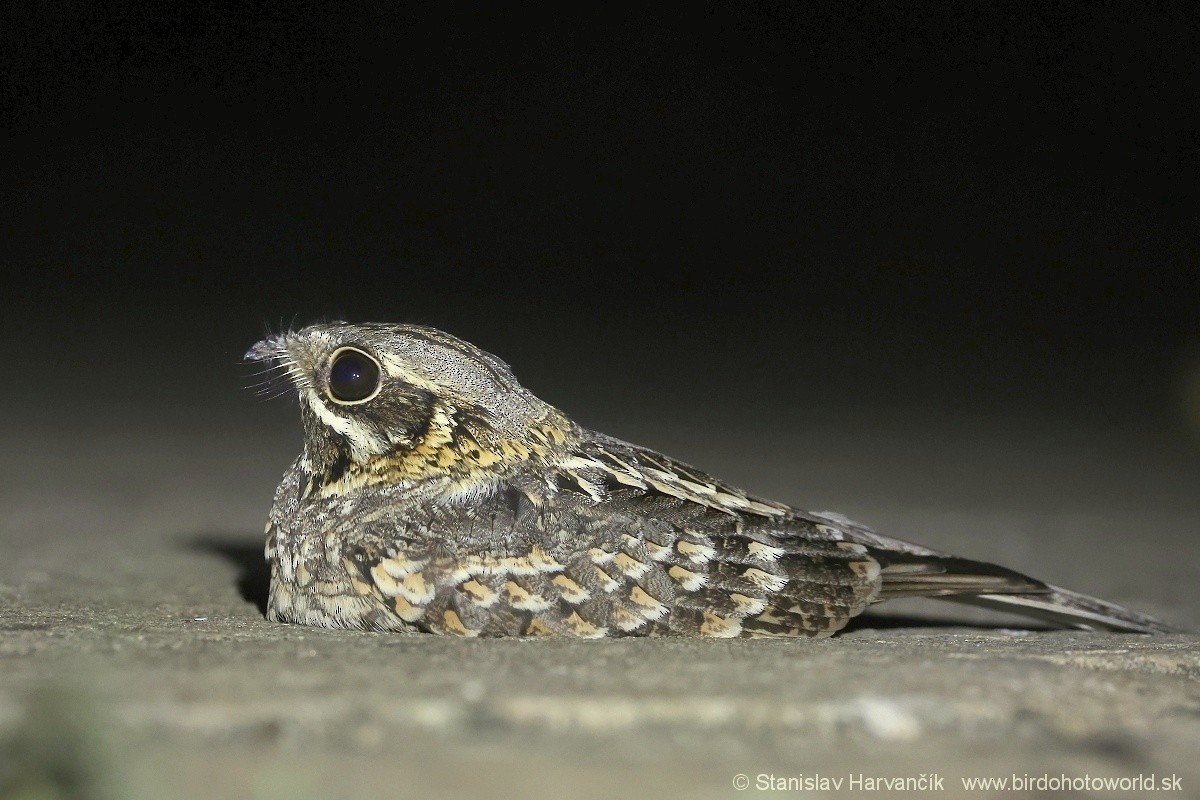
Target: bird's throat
(455,446)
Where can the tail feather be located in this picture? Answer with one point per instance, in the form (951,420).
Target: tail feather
(979,583)
(1064,607)
(910,570)
(922,575)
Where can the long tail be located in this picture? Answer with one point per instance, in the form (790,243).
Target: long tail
(910,570)
(1064,607)
(979,583)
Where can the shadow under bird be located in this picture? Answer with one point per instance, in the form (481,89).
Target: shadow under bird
(435,493)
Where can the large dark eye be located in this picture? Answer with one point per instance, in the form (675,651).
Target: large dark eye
(353,376)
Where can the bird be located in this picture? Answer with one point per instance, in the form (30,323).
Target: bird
(436,494)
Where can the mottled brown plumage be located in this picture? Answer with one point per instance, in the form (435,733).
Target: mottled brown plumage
(435,493)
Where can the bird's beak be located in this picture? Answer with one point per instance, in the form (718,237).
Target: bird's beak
(268,349)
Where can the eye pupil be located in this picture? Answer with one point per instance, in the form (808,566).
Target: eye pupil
(353,375)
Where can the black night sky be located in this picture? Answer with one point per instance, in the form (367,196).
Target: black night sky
(892,211)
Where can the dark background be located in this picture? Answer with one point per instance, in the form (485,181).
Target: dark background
(728,222)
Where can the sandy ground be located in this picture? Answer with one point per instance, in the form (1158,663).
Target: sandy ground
(135,661)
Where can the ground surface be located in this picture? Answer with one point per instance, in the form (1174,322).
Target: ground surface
(134,659)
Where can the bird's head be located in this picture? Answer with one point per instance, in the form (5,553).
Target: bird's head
(376,393)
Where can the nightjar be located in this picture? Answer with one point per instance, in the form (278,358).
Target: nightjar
(435,493)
